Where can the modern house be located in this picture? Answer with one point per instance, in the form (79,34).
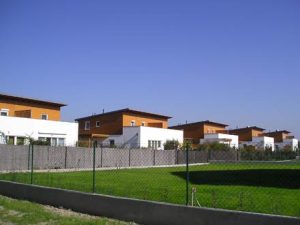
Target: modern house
(23,118)
(207,131)
(128,128)
(253,136)
(283,139)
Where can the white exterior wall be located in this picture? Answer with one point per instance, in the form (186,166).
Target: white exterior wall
(35,128)
(161,134)
(261,142)
(288,142)
(232,140)
(138,136)
(129,139)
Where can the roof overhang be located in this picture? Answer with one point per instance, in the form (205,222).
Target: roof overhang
(30,100)
(127,111)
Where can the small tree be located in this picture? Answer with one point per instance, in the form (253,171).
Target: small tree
(187,144)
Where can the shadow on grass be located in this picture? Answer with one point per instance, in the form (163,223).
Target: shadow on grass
(260,177)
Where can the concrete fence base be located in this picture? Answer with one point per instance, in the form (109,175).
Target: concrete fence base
(139,211)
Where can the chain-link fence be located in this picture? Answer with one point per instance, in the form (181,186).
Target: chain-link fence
(255,181)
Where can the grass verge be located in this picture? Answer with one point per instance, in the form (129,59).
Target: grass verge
(272,188)
(15,212)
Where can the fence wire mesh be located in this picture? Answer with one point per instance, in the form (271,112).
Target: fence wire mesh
(254,181)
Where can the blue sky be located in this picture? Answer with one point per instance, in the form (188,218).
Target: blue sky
(236,62)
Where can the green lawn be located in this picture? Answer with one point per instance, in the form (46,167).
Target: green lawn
(272,188)
(16,212)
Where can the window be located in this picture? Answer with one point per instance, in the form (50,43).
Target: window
(4,112)
(143,124)
(53,141)
(11,140)
(97,123)
(154,144)
(45,140)
(44,116)
(61,142)
(210,131)
(132,123)
(20,140)
(111,143)
(159,144)
(87,125)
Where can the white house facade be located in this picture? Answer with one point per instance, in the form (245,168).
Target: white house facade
(17,130)
(144,137)
(260,142)
(231,140)
(292,143)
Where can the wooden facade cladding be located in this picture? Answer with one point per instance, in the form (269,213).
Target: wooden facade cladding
(147,121)
(112,123)
(279,136)
(30,109)
(108,125)
(247,133)
(196,131)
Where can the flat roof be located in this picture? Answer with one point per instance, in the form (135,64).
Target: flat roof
(200,122)
(31,100)
(126,110)
(279,131)
(248,128)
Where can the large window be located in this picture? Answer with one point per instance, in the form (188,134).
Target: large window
(4,112)
(87,125)
(20,140)
(154,144)
(11,140)
(61,142)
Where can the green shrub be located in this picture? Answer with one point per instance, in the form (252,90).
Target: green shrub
(84,144)
(171,145)
(40,142)
(252,153)
(214,146)
(287,148)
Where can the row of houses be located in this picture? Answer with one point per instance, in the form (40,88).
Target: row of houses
(208,131)
(23,119)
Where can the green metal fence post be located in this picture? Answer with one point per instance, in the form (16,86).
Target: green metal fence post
(94,165)
(28,163)
(187,176)
(31,176)
(66,156)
